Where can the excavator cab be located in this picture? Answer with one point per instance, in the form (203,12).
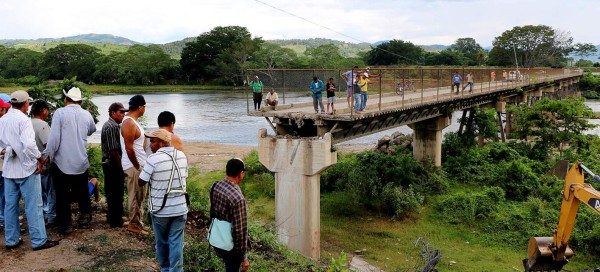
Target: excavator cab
(552,253)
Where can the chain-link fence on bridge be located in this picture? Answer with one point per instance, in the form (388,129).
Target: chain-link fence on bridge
(404,86)
(390,80)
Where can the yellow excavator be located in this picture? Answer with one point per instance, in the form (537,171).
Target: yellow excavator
(552,253)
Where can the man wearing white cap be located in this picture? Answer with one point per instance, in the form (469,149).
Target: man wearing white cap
(21,175)
(67,149)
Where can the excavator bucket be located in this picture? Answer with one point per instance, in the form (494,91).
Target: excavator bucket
(541,255)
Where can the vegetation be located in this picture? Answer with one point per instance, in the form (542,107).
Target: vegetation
(534,46)
(222,55)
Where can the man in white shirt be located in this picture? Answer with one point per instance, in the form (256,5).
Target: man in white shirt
(22,166)
(272,98)
(67,149)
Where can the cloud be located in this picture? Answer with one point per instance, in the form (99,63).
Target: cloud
(420,22)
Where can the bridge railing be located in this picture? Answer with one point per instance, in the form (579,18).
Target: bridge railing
(419,84)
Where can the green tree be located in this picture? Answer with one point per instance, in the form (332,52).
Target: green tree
(226,48)
(324,56)
(395,52)
(70,60)
(17,63)
(552,123)
(534,45)
(445,57)
(584,49)
(470,49)
(271,56)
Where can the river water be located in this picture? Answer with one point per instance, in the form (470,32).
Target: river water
(221,116)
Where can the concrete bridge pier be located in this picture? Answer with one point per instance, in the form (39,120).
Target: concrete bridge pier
(297,164)
(428,138)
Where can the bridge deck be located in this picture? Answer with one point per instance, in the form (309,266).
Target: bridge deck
(388,110)
(383,102)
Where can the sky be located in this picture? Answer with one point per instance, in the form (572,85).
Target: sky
(420,22)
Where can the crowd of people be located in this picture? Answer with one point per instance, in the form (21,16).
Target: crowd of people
(357,81)
(47,167)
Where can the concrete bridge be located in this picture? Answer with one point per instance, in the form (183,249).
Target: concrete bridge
(300,147)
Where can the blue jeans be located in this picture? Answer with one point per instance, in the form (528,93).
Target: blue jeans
(357,101)
(31,190)
(1,199)
(48,197)
(168,233)
(364,98)
(318,102)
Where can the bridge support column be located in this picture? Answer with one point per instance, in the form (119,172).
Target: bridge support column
(297,164)
(428,138)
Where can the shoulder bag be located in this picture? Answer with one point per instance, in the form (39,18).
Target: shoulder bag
(219,232)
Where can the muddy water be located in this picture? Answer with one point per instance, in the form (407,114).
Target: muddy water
(220,116)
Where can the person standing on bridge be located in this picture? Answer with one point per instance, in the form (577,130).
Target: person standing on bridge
(330,95)
(493,76)
(456,79)
(316,88)
(364,86)
(257,91)
(350,77)
(469,82)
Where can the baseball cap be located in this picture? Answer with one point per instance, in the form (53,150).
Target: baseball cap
(160,134)
(117,107)
(19,96)
(235,166)
(4,99)
(137,101)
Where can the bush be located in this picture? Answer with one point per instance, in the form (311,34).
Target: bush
(253,164)
(95,158)
(399,201)
(467,207)
(368,174)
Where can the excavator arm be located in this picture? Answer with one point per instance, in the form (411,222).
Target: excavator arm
(552,253)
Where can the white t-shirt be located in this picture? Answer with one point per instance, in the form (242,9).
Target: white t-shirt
(273,96)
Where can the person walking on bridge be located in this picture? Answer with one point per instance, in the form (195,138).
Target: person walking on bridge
(316,88)
(257,91)
(469,82)
(456,79)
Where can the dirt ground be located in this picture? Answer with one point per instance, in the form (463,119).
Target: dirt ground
(116,249)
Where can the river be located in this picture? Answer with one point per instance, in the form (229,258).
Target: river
(220,116)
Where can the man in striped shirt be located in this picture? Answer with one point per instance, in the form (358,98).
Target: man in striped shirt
(114,178)
(166,171)
(229,204)
(22,166)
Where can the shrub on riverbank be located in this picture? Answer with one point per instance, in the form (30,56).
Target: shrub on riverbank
(394,184)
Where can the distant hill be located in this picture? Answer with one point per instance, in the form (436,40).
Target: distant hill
(93,38)
(346,49)
(175,48)
(110,43)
